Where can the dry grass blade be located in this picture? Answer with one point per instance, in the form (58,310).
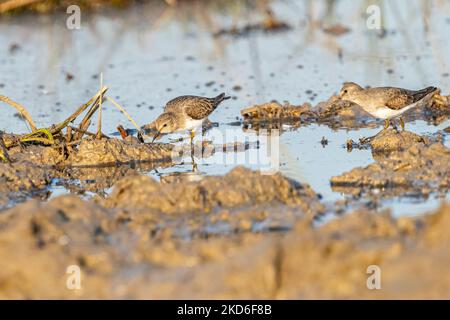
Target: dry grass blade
(122,109)
(80,110)
(99,128)
(21,110)
(4,156)
(87,132)
(15,4)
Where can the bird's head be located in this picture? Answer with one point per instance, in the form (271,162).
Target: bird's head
(165,123)
(348,90)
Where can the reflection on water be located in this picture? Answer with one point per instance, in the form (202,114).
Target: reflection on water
(153,52)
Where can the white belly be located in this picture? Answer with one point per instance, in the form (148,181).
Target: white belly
(191,124)
(387,113)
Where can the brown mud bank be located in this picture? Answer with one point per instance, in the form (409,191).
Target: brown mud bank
(20,181)
(336,113)
(145,239)
(404,163)
(143,226)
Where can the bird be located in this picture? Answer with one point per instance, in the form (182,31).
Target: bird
(185,113)
(385,102)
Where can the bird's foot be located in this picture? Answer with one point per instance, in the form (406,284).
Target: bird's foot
(402,124)
(177,140)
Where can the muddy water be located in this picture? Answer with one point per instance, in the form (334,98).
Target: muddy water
(150,54)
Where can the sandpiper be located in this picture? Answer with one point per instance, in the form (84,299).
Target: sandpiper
(385,102)
(185,113)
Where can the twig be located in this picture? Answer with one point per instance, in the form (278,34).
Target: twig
(85,123)
(82,129)
(69,134)
(87,132)
(99,128)
(21,110)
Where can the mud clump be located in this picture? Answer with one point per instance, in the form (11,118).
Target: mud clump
(93,152)
(412,164)
(274,110)
(21,176)
(391,140)
(21,180)
(240,187)
(97,152)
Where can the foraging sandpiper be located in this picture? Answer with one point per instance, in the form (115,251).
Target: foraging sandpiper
(185,113)
(385,102)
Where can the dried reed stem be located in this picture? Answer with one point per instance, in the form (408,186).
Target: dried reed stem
(21,110)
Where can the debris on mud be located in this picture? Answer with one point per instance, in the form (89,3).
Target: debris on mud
(405,163)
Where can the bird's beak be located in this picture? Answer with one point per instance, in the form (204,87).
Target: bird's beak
(156,136)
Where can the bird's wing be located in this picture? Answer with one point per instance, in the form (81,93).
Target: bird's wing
(401,98)
(174,103)
(199,108)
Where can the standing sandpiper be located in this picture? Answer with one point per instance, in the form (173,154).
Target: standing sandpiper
(385,102)
(185,113)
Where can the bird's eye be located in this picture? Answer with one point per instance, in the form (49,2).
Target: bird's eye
(165,125)
(345,91)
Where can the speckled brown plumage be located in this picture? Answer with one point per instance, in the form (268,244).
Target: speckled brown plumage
(194,106)
(400,98)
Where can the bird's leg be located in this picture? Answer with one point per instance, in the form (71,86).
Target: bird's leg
(192,136)
(402,124)
(394,125)
(176,140)
(387,123)
(194,165)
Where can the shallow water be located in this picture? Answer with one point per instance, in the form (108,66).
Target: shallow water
(150,54)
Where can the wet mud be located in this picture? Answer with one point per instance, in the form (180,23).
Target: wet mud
(113,247)
(404,163)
